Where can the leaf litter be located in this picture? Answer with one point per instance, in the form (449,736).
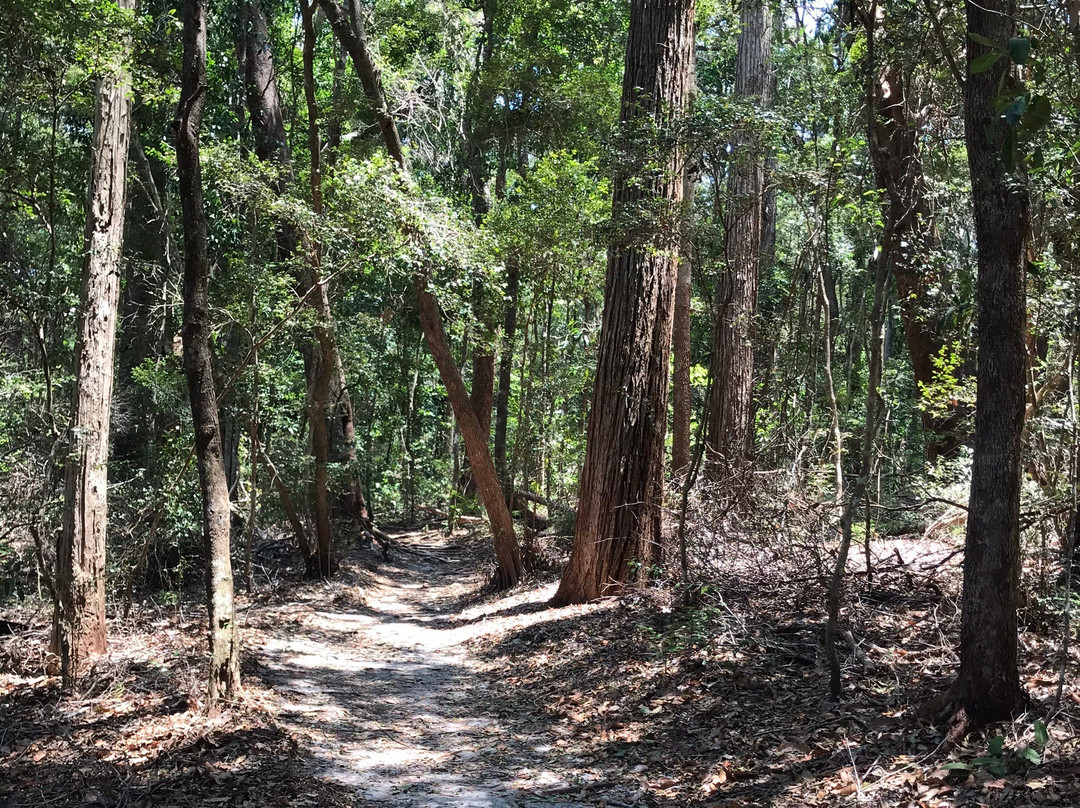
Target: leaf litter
(403,683)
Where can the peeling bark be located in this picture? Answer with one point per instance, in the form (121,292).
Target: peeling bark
(79,623)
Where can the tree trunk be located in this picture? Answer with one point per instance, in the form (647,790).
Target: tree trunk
(79,622)
(619,513)
(507,554)
(895,153)
(198,364)
(349,31)
(506,368)
(728,426)
(987,688)
(681,391)
(483,389)
(476,445)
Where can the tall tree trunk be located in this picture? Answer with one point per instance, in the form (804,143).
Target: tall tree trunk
(506,368)
(619,514)
(987,688)
(80,611)
(681,391)
(476,445)
(198,364)
(895,153)
(728,420)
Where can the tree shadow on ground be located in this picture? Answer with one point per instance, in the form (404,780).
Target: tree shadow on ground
(727,706)
(57,753)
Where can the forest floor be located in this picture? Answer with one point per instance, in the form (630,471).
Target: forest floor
(402,683)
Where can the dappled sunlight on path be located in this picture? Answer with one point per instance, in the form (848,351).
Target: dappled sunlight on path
(381,685)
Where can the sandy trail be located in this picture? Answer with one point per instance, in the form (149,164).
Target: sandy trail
(391,701)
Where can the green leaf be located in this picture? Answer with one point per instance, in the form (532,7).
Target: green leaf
(956,765)
(980,39)
(1030,755)
(996,745)
(1041,735)
(1015,110)
(1038,113)
(1019,49)
(983,63)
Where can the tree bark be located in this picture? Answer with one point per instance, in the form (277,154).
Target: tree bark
(483,389)
(987,687)
(506,368)
(507,553)
(895,153)
(476,444)
(224,679)
(619,513)
(681,391)
(728,425)
(79,622)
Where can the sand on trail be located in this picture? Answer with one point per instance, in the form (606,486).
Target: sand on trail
(381,686)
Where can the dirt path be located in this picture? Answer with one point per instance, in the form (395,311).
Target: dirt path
(381,683)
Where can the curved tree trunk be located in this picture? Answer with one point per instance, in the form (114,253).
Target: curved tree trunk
(619,514)
(198,364)
(507,553)
(80,616)
(728,424)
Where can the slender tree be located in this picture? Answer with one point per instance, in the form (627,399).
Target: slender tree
(79,624)
(507,553)
(618,521)
(198,364)
(728,426)
(681,391)
(987,687)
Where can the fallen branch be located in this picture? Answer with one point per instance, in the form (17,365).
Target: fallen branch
(550,504)
(946,521)
(469,520)
(915,506)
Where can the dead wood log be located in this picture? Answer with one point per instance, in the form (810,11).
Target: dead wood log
(468,520)
(550,504)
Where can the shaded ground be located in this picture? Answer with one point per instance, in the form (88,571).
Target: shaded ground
(380,680)
(397,684)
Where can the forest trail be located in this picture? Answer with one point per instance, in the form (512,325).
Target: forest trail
(382,687)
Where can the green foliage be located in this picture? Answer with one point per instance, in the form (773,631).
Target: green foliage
(1000,759)
(950,388)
